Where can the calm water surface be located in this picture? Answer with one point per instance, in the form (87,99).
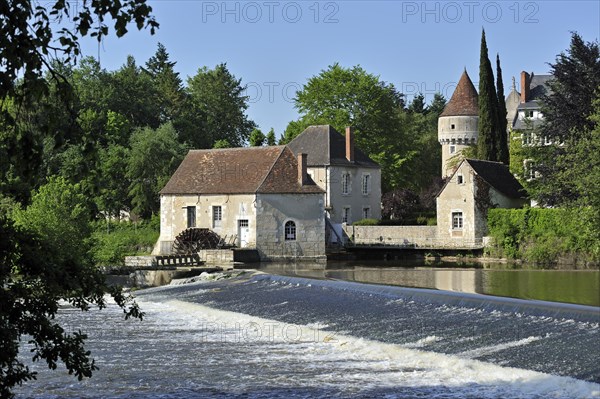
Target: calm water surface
(570,286)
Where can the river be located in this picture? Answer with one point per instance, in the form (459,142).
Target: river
(262,335)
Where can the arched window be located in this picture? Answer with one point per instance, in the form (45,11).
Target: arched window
(290,231)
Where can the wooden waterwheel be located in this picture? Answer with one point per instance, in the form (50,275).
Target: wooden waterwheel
(192,240)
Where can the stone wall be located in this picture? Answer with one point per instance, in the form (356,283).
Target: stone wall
(221,257)
(307,213)
(140,261)
(392,235)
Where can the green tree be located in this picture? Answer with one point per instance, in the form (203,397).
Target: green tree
(218,99)
(35,273)
(417,105)
(26,55)
(271,140)
(257,138)
(44,259)
(437,105)
(488,107)
(170,96)
(113,182)
(134,95)
(569,113)
(352,97)
(502,143)
(223,143)
(154,156)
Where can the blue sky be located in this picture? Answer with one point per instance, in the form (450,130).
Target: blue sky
(275,46)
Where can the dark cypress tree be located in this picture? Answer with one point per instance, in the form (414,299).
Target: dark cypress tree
(488,107)
(502,143)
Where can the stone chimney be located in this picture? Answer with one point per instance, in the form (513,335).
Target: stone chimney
(302,173)
(525,80)
(350,144)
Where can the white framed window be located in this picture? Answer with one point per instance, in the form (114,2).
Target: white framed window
(527,138)
(457,220)
(366,184)
(345,183)
(529,169)
(547,140)
(191,216)
(217,216)
(366,212)
(460,179)
(452,149)
(290,230)
(346,214)
(529,113)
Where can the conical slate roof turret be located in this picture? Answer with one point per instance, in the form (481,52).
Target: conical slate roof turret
(464,101)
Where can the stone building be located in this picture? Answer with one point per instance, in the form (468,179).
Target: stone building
(525,117)
(458,123)
(351,180)
(473,188)
(262,197)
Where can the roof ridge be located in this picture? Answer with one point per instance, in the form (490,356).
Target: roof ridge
(271,168)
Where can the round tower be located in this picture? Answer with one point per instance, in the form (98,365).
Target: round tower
(457,124)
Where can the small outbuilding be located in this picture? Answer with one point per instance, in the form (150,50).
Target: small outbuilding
(257,197)
(464,201)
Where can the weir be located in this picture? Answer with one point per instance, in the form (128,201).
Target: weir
(476,301)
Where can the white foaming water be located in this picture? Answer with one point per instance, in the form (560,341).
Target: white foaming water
(369,363)
(184,350)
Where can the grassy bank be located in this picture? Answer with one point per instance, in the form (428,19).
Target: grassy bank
(113,241)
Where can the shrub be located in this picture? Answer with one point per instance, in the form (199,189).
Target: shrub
(542,235)
(366,222)
(113,241)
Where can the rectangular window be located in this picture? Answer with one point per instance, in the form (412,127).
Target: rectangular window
(366,184)
(547,140)
(345,183)
(527,138)
(191,216)
(217,216)
(457,220)
(460,179)
(529,114)
(529,167)
(346,215)
(366,213)
(452,149)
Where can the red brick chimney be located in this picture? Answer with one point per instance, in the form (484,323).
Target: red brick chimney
(302,173)
(525,80)
(350,144)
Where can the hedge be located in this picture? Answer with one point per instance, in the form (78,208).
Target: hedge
(542,235)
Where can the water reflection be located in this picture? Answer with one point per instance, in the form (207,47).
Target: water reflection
(570,286)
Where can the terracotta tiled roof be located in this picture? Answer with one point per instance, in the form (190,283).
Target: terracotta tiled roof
(464,101)
(325,146)
(238,171)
